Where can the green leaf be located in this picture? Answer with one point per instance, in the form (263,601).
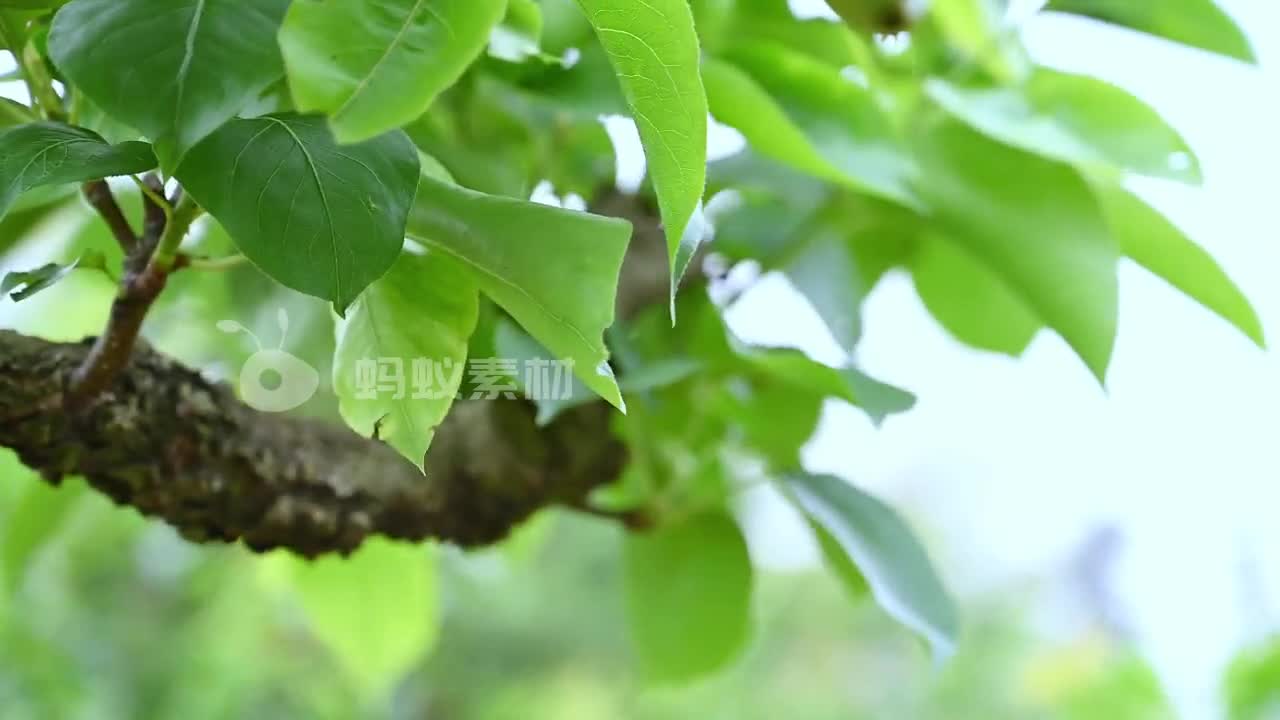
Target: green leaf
(825,272)
(32,521)
(803,112)
(23,284)
(977,29)
(1035,224)
(885,551)
(1074,118)
(555,271)
(1198,23)
(376,610)
(1155,243)
(174,69)
(688,596)
(970,300)
(654,51)
(414,322)
(48,153)
(795,368)
(376,65)
(321,218)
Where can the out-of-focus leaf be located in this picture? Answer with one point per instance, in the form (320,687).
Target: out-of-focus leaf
(653,47)
(376,65)
(174,69)
(517,38)
(688,596)
(376,610)
(977,29)
(414,321)
(1155,243)
(47,153)
(321,218)
(1199,23)
(1074,118)
(23,284)
(885,551)
(1036,224)
(973,303)
(793,367)
(521,254)
(825,273)
(33,519)
(1252,684)
(817,120)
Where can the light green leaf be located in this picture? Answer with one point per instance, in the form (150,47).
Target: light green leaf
(555,271)
(970,300)
(376,65)
(1074,118)
(174,69)
(688,596)
(376,611)
(47,153)
(414,321)
(1199,23)
(1035,224)
(847,383)
(1155,243)
(321,218)
(803,112)
(885,551)
(654,51)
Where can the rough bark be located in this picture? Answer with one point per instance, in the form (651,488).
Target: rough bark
(168,442)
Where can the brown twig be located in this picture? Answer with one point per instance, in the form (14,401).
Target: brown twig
(145,276)
(99,195)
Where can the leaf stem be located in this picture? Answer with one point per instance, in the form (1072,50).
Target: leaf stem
(217,264)
(179,222)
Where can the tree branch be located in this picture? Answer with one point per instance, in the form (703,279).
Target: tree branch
(166,441)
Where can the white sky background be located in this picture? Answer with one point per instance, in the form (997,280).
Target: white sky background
(1008,465)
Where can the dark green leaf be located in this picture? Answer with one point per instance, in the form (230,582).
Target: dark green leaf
(688,596)
(49,153)
(654,50)
(174,69)
(376,65)
(1198,23)
(413,322)
(321,218)
(23,284)
(885,551)
(555,271)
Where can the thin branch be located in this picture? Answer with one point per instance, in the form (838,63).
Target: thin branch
(146,271)
(98,194)
(230,262)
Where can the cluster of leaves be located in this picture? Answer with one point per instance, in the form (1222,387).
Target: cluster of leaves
(320,135)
